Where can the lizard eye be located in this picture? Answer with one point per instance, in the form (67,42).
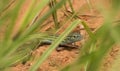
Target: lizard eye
(75,36)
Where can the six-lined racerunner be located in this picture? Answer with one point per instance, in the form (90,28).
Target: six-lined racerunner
(30,46)
(71,38)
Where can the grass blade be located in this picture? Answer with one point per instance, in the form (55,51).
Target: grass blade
(54,45)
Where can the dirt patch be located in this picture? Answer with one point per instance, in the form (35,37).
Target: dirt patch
(110,58)
(54,62)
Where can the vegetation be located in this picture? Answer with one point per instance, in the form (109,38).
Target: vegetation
(17,47)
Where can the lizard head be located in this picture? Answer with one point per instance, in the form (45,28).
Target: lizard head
(73,37)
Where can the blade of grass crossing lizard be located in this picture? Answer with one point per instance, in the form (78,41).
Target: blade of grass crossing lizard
(54,45)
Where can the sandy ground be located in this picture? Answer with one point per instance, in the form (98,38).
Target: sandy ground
(60,59)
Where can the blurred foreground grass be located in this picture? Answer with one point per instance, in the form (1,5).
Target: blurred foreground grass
(15,48)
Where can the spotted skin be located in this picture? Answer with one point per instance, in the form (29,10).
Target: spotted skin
(71,38)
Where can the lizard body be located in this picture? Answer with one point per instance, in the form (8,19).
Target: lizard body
(71,38)
(30,46)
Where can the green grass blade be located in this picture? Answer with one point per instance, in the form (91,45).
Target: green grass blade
(13,15)
(36,25)
(54,14)
(32,13)
(5,5)
(88,30)
(17,42)
(115,33)
(25,48)
(99,55)
(54,45)
(70,3)
(116,5)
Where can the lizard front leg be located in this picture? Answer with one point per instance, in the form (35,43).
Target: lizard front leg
(66,46)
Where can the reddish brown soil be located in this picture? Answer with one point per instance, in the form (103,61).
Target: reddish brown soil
(60,59)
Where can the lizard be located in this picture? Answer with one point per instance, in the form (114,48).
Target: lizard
(70,39)
(30,46)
